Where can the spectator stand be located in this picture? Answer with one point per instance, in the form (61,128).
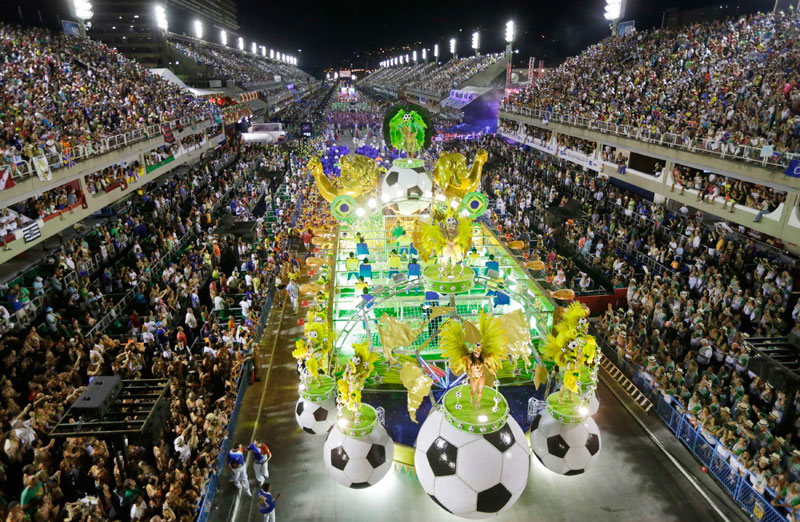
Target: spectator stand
(706,448)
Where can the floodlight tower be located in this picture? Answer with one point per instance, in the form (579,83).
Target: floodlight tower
(83,12)
(509,37)
(476,36)
(614,11)
(453,48)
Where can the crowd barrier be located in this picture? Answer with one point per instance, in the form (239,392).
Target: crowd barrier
(704,447)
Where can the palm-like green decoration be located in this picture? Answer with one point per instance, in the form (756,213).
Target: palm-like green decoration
(407,131)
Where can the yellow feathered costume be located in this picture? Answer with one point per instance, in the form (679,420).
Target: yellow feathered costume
(447,235)
(358,369)
(317,345)
(572,348)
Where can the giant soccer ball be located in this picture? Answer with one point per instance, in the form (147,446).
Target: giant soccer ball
(316,418)
(567,449)
(404,186)
(358,462)
(471,475)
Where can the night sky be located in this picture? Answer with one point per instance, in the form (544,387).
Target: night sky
(339,34)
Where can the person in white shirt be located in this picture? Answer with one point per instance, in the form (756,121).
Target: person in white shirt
(244,304)
(219,303)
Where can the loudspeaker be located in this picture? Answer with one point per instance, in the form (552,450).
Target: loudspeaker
(153,427)
(98,397)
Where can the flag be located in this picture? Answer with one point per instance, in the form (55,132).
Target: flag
(792,170)
(42,168)
(6,181)
(66,159)
(31,231)
(166,130)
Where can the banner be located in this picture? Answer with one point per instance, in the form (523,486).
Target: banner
(793,169)
(6,181)
(31,231)
(166,131)
(42,168)
(66,159)
(531,68)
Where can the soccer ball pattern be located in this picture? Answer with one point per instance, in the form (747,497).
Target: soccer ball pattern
(358,462)
(567,449)
(405,186)
(471,475)
(315,418)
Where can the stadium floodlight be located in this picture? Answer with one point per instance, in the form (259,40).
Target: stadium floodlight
(414,56)
(613,10)
(424,54)
(198,29)
(223,37)
(263,51)
(436,51)
(272,53)
(452,46)
(161,17)
(476,40)
(241,43)
(253,47)
(510,31)
(407,59)
(83,9)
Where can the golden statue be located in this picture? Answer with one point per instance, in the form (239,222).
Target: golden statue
(360,176)
(454,178)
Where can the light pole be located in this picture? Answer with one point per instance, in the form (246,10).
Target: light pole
(436,53)
(509,37)
(615,10)
(453,48)
(476,42)
(83,12)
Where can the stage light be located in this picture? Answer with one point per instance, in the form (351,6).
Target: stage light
(161,17)
(482,418)
(613,9)
(241,43)
(83,9)
(583,410)
(371,203)
(475,40)
(360,212)
(198,29)
(452,46)
(223,37)
(436,51)
(510,31)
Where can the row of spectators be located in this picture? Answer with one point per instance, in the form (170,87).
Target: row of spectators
(687,324)
(168,252)
(730,82)
(63,94)
(710,187)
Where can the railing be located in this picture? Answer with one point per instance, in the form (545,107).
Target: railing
(707,449)
(667,139)
(24,169)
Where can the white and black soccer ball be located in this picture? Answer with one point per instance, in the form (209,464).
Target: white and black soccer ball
(567,449)
(410,189)
(358,462)
(316,418)
(471,475)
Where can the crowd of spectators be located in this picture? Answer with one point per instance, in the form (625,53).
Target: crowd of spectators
(168,251)
(454,73)
(51,201)
(729,82)
(65,94)
(230,64)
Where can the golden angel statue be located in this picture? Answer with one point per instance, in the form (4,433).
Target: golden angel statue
(447,235)
(451,174)
(474,350)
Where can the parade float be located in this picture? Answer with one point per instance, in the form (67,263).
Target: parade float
(432,343)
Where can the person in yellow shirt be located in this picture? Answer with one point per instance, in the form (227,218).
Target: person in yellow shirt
(360,286)
(394,263)
(351,264)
